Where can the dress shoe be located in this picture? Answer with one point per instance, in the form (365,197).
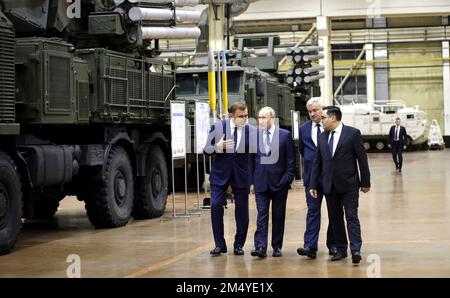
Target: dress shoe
(356,257)
(238,251)
(308,252)
(259,252)
(277,253)
(339,256)
(332,251)
(399,170)
(218,250)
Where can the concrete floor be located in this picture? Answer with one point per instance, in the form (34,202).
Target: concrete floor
(405,221)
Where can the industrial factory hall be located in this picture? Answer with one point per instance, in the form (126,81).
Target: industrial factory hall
(204,141)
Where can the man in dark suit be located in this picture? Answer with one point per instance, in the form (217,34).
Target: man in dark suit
(397,142)
(229,142)
(274,171)
(339,153)
(309,134)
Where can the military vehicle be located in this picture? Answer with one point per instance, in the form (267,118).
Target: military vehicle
(245,84)
(375,121)
(84,108)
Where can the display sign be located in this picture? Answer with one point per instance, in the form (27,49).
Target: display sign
(178,128)
(202,125)
(295,124)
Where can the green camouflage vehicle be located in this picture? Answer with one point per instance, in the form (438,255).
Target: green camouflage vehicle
(84,111)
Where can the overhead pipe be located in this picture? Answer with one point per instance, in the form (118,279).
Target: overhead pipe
(155,14)
(177,3)
(169,32)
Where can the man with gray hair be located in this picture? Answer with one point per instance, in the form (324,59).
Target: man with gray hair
(274,170)
(309,134)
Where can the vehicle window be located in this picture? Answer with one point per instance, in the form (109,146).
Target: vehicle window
(203,84)
(186,85)
(234,82)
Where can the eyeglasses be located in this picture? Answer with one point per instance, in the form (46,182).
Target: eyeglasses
(263,117)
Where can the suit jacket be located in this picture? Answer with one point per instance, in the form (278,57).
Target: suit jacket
(307,150)
(225,163)
(401,135)
(274,170)
(341,170)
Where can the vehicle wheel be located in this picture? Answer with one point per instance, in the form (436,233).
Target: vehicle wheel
(10,203)
(379,145)
(109,202)
(366,146)
(152,190)
(46,204)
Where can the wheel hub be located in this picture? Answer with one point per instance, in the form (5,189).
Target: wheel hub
(120,188)
(156,183)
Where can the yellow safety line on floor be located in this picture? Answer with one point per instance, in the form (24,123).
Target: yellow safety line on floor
(202,248)
(168,261)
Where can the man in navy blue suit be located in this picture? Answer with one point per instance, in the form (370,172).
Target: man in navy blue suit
(339,153)
(274,171)
(229,142)
(397,142)
(309,134)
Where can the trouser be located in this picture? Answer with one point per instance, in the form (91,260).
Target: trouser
(397,154)
(218,200)
(263,200)
(337,203)
(313,218)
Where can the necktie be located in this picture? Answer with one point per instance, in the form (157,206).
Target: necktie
(235,138)
(267,141)
(330,144)
(318,132)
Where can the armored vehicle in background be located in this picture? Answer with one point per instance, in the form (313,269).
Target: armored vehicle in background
(375,121)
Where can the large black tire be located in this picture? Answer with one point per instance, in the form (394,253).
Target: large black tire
(152,190)
(10,203)
(46,204)
(109,202)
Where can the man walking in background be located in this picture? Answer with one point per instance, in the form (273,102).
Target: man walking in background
(397,142)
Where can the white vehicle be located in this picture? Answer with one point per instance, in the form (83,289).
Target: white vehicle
(375,121)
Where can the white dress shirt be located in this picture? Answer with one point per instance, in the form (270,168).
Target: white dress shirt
(337,135)
(397,133)
(239,132)
(272,131)
(314,131)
